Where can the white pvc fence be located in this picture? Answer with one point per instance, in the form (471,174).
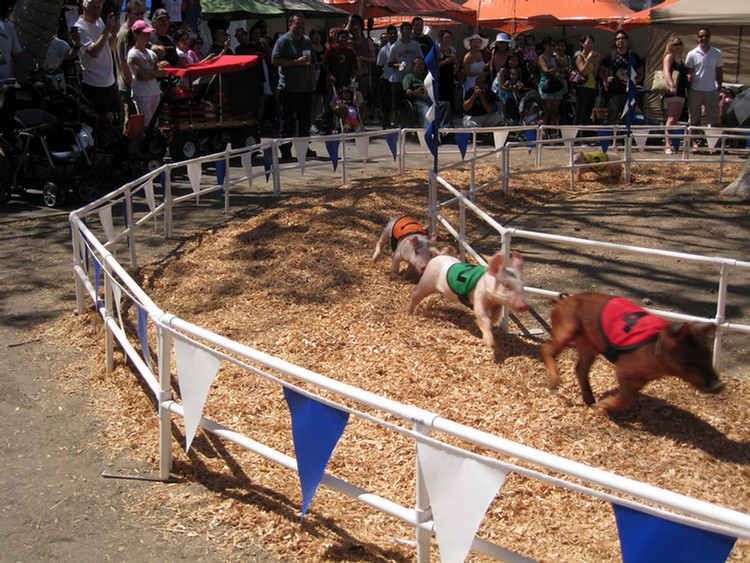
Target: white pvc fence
(97,233)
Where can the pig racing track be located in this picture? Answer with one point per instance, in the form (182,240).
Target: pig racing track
(430,474)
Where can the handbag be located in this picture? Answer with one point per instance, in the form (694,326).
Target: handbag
(659,83)
(575,76)
(551,85)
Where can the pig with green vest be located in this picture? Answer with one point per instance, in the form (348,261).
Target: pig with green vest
(486,289)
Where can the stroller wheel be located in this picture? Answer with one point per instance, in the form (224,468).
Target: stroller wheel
(88,190)
(245,137)
(216,143)
(4,192)
(53,195)
(184,147)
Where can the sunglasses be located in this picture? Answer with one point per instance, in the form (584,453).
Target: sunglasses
(677,44)
(703,36)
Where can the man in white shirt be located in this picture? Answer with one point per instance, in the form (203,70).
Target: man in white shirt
(98,40)
(705,72)
(10,48)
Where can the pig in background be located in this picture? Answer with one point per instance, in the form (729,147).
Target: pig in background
(486,290)
(409,243)
(679,350)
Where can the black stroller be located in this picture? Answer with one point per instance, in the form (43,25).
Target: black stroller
(42,150)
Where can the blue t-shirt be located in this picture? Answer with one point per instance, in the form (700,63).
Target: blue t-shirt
(297,78)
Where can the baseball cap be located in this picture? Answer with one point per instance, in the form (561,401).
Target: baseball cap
(141,26)
(160,13)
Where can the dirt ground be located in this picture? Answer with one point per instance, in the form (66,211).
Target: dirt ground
(55,503)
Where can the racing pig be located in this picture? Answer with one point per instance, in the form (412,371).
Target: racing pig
(409,243)
(484,288)
(642,346)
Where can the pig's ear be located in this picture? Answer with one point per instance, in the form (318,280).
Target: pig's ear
(414,241)
(675,332)
(516,261)
(497,263)
(433,238)
(703,330)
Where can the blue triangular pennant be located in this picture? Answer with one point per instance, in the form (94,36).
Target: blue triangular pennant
(97,278)
(142,330)
(747,139)
(267,161)
(462,141)
(221,170)
(429,138)
(530,138)
(332,147)
(392,140)
(163,180)
(645,538)
(316,429)
(605,143)
(674,138)
(431,60)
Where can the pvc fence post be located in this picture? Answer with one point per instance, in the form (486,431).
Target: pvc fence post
(538,144)
(164,361)
(472,176)
(342,145)
(505,243)
(571,151)
(462,229)
(226,182)
(131,226)
(422,508)
(78,265)
(109,340)
(721,305)
(628,154)
(276,171)
(432,205)
(168,203)
(506,169)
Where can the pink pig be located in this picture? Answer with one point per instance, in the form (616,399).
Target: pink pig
(409,243)
(487,290)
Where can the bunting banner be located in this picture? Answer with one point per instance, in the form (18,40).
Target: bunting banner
(148,192)
(640,137)
(300,149)
(500,137)
(316,429)
(645,538)
(392,140)
(97,280)
(629,108)
(163,181)
(462,142)
(221,171)
(460,490)
(433,114)
(568,132)
(142,330)
(604,143)
(267,161)
(747,139)
(530,139)
(421,138)
(194,172)
(675,138)
(332,147)
(196,371)
(246,159)
(117,297)
(713,136)
(105,218)
(429,137)
(363,146)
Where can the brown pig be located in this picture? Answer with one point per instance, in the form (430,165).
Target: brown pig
(485,289)
(409,243)
(642,346)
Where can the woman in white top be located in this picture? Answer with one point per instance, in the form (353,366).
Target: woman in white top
(145,70)
(474,64)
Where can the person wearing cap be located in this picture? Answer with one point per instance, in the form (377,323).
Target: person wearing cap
(292,54)
(474,64)
(145,68)
(501,49)
(98,40)
(160,36)
(134,11)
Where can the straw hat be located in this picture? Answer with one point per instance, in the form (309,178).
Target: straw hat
(467,41)
(503,37)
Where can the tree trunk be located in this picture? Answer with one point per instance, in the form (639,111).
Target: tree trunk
(35,22)
(741,186)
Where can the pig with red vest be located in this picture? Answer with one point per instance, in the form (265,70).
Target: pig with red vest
(642,346)
(486,289)
(409,243)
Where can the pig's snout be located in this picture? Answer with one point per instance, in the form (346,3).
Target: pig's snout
(715,386)
(519,305)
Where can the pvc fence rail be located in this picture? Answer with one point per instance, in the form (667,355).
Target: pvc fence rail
(102,280)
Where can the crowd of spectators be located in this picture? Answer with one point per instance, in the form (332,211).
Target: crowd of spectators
(119,67)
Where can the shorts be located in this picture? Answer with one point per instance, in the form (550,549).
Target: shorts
(673,99)
(104,99)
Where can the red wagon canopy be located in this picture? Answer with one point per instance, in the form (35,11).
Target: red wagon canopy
(217,65)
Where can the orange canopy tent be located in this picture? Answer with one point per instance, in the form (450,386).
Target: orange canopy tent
(514,16)
(434,8)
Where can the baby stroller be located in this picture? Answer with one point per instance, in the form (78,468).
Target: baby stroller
(41,150)
(346,109)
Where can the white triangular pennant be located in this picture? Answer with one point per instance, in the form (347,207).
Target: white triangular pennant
(422,142)
(105,217)
(500,137)
(194,172)
(640,139)
(363,144)
(460,490)
(196,370)
(148,191)
(713,136)
(117,296)
(246,158)
(568,132)
(300,148)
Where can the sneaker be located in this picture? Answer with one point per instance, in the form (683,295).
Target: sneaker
(314,129)
(669,150)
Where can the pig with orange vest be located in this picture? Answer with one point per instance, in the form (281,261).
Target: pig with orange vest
(409,243)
